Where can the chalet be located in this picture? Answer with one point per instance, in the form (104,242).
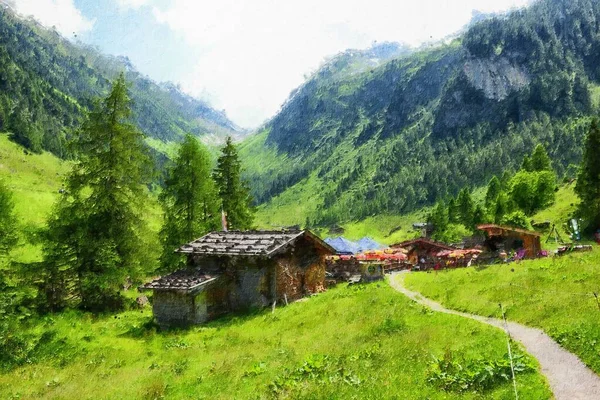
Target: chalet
(230,271)
(422,251)
(499,238)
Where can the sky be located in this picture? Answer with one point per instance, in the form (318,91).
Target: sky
(246,56)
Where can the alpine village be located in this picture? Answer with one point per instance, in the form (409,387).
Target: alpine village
(414,222)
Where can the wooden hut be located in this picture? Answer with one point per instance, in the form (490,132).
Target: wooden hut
(499,237)
(422,251)
(229,271)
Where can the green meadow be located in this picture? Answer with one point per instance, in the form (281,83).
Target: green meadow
(555,294)
(364,341)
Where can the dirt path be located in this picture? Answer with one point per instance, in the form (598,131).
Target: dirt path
(567,375)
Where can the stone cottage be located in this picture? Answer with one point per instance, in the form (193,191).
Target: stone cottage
(232,271)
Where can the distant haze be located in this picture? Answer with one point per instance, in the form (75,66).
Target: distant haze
(246,56)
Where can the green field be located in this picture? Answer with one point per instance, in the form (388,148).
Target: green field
(350,342)
(555,294)
(35,180)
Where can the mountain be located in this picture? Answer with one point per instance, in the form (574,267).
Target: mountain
(392,137)
(47,83)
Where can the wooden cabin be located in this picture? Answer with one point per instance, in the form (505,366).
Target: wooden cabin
(231,271)
(499,237)
(422,251)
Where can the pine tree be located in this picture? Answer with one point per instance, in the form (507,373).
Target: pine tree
(540,161)
(234,193)
(453,216)
(493,190)
(190,202)
(95,234)
(526,165)
(439,218)
(588,179)
(466,208)
(479,215)
(501,208)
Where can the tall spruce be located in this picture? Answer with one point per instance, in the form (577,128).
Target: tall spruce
(493,190)
(540,161)
(190,202)
(588,180)
(466,208)
(234,193)
(439,218)
(95,234)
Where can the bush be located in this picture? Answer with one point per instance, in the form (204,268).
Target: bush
(478,376)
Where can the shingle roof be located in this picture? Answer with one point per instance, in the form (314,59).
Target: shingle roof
(423,241)
(248,243)
(491,227)
(185,279)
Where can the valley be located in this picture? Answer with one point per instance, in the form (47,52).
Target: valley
(150,248)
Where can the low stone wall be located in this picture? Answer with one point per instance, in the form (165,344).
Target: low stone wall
(342,270)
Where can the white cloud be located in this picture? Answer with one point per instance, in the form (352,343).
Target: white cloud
(61,14)
(132,4)
(254,52)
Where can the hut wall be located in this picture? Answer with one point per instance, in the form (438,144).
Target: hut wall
(300,272)
(251,286)
(177,308)
(343,269)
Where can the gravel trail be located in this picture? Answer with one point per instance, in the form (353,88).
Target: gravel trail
(567,375)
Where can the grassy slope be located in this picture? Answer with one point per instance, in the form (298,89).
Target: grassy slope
(559,212)
(35,180)
(379,345)
(555,294)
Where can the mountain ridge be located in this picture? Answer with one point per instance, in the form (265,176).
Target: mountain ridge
(422,126)
(47,82)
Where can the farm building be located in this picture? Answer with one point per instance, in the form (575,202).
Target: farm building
(503,238)
(422,251)
(231,271)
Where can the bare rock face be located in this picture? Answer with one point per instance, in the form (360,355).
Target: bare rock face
(497,78)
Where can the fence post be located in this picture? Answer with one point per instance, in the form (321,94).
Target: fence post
(508,337)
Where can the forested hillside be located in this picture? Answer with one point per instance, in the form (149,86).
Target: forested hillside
(47,83)
(401,134)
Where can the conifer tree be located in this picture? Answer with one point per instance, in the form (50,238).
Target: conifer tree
(493,190)
(234,193)
(526,165)
(190,202)
(479,215)
(453,216)
(588,179)
(501,208)
(540,161)
(439,217)
(95,234)
(466,208)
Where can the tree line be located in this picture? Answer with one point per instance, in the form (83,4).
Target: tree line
(514,197)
